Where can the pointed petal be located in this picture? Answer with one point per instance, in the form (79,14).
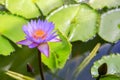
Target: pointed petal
(24,42)
(55,40)
(44,48)
(33,45)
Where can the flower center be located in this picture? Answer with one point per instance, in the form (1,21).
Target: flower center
(39,34)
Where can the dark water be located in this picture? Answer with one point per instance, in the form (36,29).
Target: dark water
(67,72)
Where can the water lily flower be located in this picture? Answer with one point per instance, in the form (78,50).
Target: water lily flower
(38,34)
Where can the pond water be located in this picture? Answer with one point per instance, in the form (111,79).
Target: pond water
(67,72)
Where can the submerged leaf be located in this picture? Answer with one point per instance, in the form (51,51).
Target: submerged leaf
(87,60)
(18,76)
(18,61)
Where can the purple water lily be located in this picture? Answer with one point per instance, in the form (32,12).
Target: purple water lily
(38,33)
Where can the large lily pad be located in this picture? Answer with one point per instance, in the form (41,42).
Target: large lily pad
(113,63)
(47,6)
(28,8)
(98,4)
(11,27)
(109,28)
(2,2)
(77,22)
(18,61)
(25,8)
(5,47)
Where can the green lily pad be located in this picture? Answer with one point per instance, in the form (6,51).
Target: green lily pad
(11,27)
(77,22)
(113,63)
(110,77)
(47,6)
(109,26)
(2,2)
(25,8)
(5,47)
(59,53)
(98,4)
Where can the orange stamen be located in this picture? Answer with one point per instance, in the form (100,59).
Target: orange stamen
(39,34)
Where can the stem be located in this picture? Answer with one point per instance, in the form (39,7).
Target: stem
(42,15)
(98,78)
(40,65)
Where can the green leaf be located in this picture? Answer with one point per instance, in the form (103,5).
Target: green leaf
(77,19)
(5,47)
(78,1)
(98,4)
(47,6)
(25,8)
(59,53)
(113,63)
(2,2)
(18,76)
(110,77)
(109,26)
(67,2)
(11,27)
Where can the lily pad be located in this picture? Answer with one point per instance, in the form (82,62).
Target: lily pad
(25,8)
(2,2)
(11,27)
(77,22)
(113,63)
(98,4)
(109,26)
(47,6)
(110,77)
(59,53)
(5,47)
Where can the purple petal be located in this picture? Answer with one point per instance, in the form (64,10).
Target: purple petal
(33,45)
(27,30)
(44,48)
(49,27)
(51,36)
(24,42)
(55,40)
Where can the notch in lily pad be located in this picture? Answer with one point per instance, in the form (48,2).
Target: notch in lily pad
(102,70)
